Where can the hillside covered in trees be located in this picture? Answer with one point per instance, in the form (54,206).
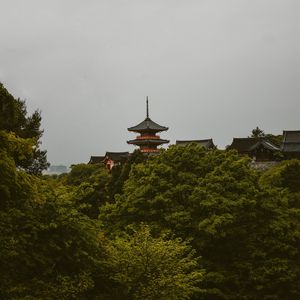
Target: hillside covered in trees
(187,224)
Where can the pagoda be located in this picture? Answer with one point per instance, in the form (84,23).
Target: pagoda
(148,140)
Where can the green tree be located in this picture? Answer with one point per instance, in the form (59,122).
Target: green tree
(285,175)
(48,248)
(11,187)
(144,267)
(121,173)
(157,192)
(257,133)
(246,233)
(91,187)
(14,118)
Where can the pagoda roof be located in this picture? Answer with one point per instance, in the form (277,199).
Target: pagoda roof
(207,143)
(291,141)
(148,142)
(148,125)
(250,144)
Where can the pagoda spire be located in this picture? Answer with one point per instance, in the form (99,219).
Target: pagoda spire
(148,140)
(147,109)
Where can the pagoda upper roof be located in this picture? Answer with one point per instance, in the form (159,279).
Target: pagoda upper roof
(148,125)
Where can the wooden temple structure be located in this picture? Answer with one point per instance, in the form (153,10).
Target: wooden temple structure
(113,159)
(148,140)
(291,144)
(261,149)
(110,159)
(207,143)
(258,149)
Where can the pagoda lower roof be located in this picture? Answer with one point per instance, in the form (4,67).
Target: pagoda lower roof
(148,125)
(148,142)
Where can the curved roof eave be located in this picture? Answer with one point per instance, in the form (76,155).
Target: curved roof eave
(147,124)
(141,142)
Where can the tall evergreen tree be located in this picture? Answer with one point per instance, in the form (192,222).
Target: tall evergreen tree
(14,118)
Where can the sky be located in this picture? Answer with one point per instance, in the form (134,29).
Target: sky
(211,68)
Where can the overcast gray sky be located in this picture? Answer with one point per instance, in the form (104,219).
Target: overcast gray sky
(211,68)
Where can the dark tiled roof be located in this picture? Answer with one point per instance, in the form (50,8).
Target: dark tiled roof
(242,144)
(291,136)
(267,144)
(116,156)
(250,144)
(291,141)
(148,125)
(96,159)
(208,143)
(148,141)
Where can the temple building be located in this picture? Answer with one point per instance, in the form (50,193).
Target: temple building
(257,148)
(113,159)
(96,160)
(207,144)
(148,140)
(110,159)
(291,144)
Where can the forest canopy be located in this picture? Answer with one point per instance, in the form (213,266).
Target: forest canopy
(189,223)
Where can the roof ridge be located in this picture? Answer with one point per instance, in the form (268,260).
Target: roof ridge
(210,139)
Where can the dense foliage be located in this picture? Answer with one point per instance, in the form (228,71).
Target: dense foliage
(14,119)
(246,232)
(187,224)
(153,268)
